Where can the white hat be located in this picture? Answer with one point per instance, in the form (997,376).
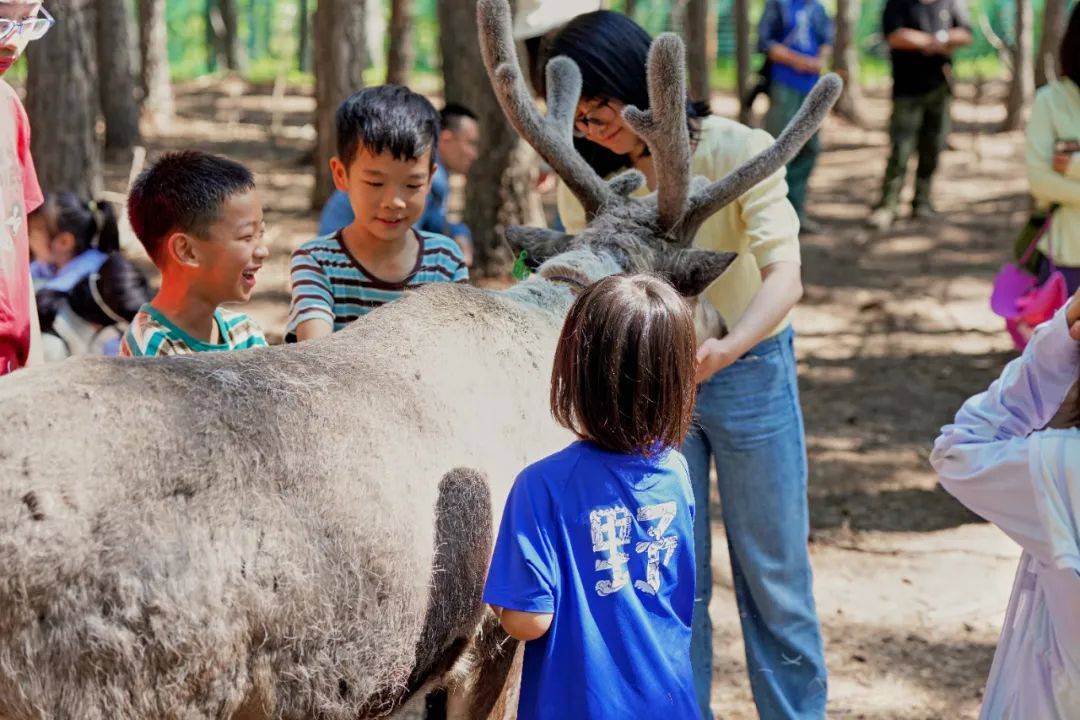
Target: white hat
(534,18)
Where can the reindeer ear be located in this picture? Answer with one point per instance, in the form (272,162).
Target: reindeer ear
(691,270)
(539,244)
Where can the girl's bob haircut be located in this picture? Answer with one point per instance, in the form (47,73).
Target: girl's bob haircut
(624,367)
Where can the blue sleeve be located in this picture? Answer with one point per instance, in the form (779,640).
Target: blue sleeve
(434,217)
(823,26)
(336,214)
(771,27)
(524,571)
(459,230)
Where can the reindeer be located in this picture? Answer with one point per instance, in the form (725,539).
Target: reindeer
(303,531)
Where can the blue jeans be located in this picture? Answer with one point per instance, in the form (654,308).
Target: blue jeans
(749,421)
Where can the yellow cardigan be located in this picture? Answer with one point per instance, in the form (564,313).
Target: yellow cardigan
(1056,116)
(761,226)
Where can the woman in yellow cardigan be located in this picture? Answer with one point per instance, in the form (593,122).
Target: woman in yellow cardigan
(1053,139)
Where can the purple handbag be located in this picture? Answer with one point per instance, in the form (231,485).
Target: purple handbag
(1021,299)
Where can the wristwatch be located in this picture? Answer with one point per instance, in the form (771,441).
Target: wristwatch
(942,36)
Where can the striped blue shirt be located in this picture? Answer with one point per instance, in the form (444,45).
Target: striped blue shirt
(329,283)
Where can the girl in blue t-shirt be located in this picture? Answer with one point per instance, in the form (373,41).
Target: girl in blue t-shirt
(594,563)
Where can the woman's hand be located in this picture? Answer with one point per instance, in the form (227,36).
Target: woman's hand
(713,356)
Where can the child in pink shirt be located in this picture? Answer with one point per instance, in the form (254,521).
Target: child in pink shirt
(20,22)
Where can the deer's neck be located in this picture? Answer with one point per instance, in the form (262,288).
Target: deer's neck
(538,292)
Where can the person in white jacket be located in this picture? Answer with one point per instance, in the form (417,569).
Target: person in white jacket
(1001,459)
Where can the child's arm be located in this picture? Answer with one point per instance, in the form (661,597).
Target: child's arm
(984,457)
(523,573)
(523,626)
(311,311)
(311,329)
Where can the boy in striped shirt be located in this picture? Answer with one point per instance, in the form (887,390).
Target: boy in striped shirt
(201,221)
(387,138)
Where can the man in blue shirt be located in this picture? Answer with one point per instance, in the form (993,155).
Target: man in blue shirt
(797,36)
(459,139)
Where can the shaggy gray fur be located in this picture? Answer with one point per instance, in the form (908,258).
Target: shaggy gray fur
(664,128)
(197,537)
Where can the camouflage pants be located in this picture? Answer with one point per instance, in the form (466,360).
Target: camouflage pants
(784,102)
(921,123)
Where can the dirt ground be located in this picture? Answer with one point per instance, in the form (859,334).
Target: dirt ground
(894,333)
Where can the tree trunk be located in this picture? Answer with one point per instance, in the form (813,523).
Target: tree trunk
(630,8)
(157,100)
(213,27)
(1022,84)
(696,24)
(849,105)
(339,72)
(116,85)
(399,57)
(230,19)
(1046,61)
(500,188)
(303,44)
(742,55)
(61,105)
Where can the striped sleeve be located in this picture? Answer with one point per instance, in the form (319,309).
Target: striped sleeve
(461,274)
(443,260)
(312,296)
(145,339)
(244,332)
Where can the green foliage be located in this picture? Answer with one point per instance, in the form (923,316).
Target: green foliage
(269,34)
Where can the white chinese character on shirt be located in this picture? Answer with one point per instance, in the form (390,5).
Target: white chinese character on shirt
(610,531)
(664,514)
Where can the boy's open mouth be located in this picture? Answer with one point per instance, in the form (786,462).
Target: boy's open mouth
(248,275)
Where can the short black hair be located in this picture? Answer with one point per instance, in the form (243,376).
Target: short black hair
(387,118)
(183,192)
(1070,48)
(452,114)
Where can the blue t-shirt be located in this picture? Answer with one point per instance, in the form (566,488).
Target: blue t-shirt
(802,25)
(605,542)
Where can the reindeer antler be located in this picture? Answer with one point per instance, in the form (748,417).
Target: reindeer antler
(713,198)
(550,136)
(663,127)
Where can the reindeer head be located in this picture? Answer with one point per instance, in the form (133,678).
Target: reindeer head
(628,234)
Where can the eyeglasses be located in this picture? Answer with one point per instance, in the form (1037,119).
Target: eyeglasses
(595,120)
(31,28)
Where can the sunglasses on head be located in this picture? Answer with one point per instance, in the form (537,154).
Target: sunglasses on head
(33,28)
